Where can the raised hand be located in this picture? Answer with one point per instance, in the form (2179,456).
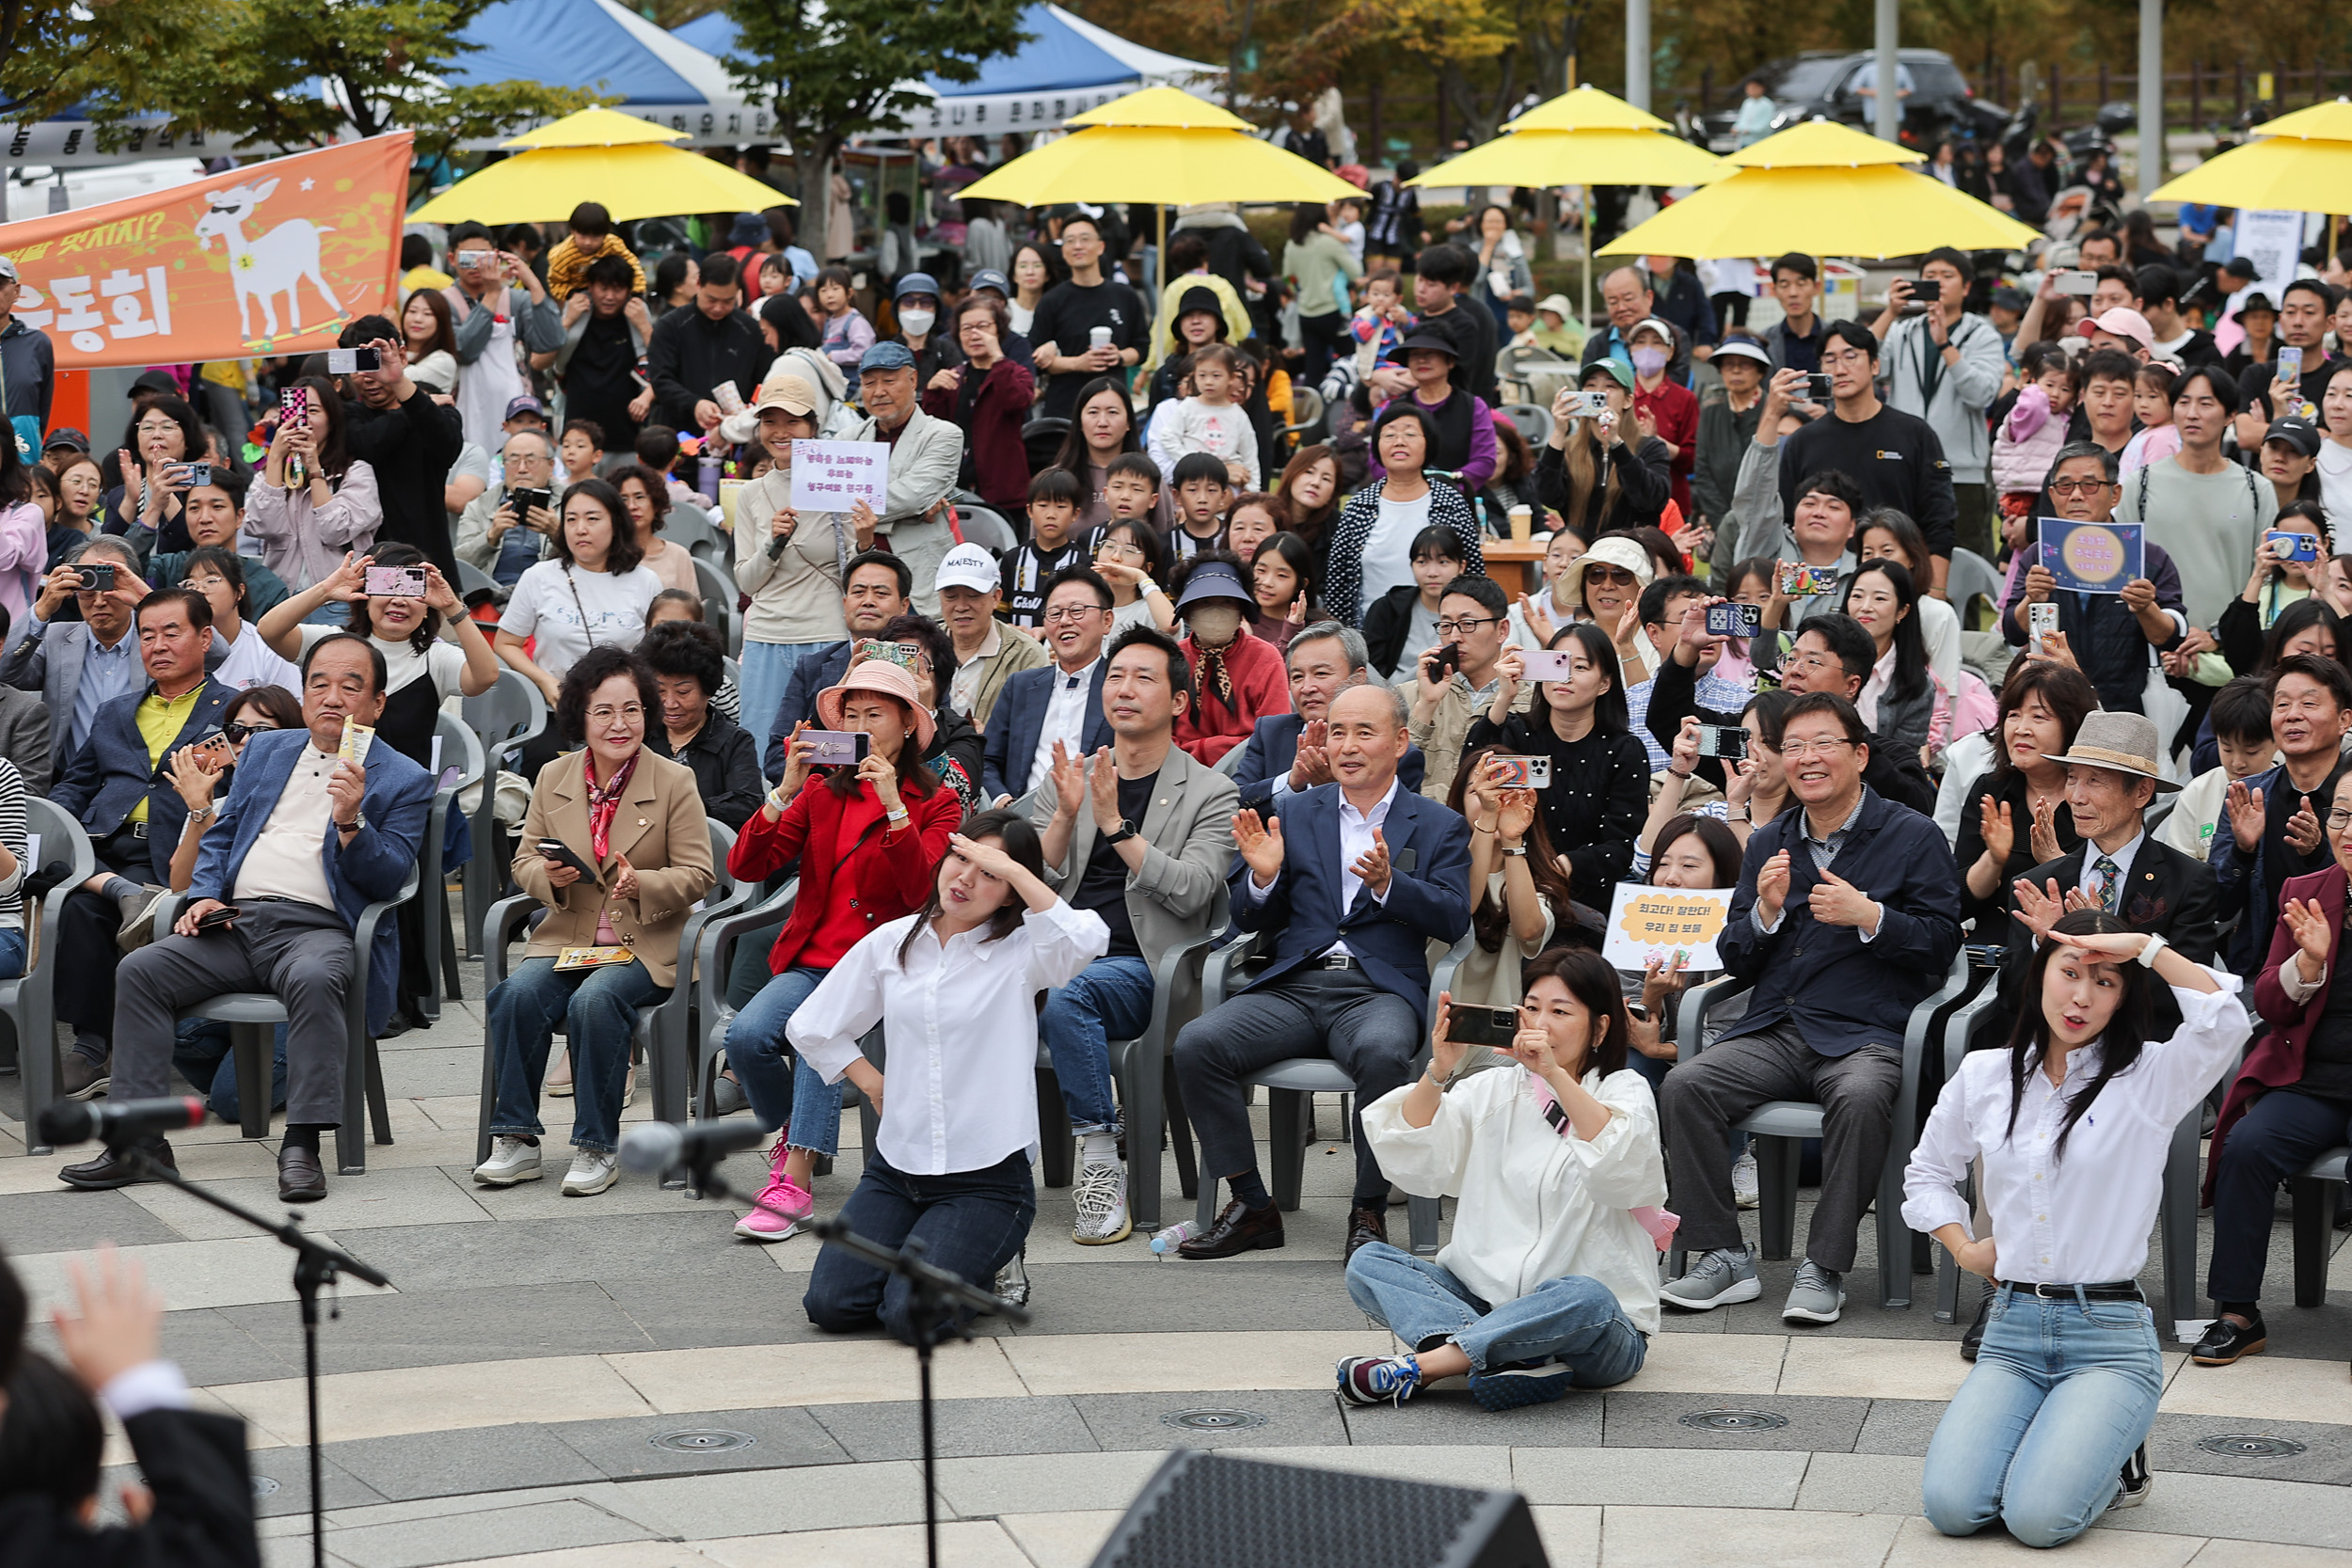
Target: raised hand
(1445,1054)
(2044,841)
(1372,865)
(1772,887)
(1070,780)
(1838,902)
(2313,934)
(1313,765)
(2039,909)
(1102,779)
(1260,846)
(2244,805)
(119,1324)
(2302,829)
(2000,832)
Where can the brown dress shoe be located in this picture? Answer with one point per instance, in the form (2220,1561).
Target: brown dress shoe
(110,1170)
(1239,1228)
(299,1177)
(1365,1224)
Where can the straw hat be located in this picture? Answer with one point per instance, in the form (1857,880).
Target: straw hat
(882,676)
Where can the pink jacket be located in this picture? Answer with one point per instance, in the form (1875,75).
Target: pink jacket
(302,543)
(2025,444)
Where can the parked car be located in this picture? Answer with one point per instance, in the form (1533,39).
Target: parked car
(1939,103)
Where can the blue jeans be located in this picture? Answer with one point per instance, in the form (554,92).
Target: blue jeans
(1574,1320)
(756,1051)
(972,1223)
(2061,1394)
(1110,1000)
(597,1010)
(766,670)
(12,950)
(200,1051)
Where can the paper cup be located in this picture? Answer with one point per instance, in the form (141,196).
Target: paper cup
(729,490)
(1522,524)
(1099,337)
(730,400)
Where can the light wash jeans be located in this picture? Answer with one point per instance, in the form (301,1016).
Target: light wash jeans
(1111,999)
(597,1008)
(2061,1394)
(797,1097)
(1573,1318)
(767,670)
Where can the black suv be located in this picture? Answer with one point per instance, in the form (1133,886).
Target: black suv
(1822,82)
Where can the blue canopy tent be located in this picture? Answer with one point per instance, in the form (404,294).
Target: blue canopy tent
(1068,66)
(608,48)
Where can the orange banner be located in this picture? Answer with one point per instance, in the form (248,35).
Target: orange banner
(273,258)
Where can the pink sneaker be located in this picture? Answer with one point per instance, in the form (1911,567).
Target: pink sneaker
(782,1207)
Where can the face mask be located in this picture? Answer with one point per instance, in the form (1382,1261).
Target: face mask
(917,321)
(1649,361)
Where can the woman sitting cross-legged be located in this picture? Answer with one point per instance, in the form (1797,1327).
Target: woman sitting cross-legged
(867,838)
(1550,1282)
(954,986)
(636,821)
(2074,1122)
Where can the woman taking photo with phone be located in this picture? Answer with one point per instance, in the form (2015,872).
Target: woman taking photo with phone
(867,835)
(151,474)
(2074,1123)
(954,986)
(311,501)
(1549,1282)
(616,846)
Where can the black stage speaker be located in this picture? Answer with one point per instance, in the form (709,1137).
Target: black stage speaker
(1203,1510)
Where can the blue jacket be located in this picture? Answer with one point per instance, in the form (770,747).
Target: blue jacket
(1272,747)
(813,674)
(1019,718)
(1845,993)
(104,783)
(1430,902)
(370,867)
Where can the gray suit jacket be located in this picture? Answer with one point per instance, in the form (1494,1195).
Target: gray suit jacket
(24,737)
(1189,830)
(51,664)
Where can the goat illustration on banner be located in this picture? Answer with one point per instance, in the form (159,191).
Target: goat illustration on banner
(279,263)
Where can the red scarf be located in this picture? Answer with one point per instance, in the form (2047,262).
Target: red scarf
(603,802)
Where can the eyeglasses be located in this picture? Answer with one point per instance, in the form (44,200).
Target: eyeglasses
(150,427)
(606,714)
(1466,623)
(1807,662)
(2077,486)
(1803,748)
(236,733)
(1118,549)
(1068,613)
(2339,819)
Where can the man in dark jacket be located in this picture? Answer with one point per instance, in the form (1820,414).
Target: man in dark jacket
(408,438)
(28,363)
(693,351)
(2109,634)
(1847,911)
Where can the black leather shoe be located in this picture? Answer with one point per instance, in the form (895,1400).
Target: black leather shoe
(110,1170)
(2225,1341)
(1365,1224)
(1973,1340)
(1239,1228)
(299,1177)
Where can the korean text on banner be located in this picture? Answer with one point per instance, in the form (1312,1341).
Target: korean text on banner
(273,258)
(1664,921)
(828,476)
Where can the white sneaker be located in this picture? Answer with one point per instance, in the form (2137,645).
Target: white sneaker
(1743,1188)
(511,1160)
(1102,1201)
(590,1173)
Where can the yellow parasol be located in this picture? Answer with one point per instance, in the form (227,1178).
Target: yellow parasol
(600,155)
(1828,190)
(2298,163)
(1586,137)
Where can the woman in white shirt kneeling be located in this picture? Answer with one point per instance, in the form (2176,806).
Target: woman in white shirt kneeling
(954,986)
(1551,1281)
(2074,1122)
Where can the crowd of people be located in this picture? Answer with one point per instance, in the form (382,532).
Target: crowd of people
(1219,685)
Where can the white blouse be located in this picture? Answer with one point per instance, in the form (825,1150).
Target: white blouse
(2083,1219)
(949,1104)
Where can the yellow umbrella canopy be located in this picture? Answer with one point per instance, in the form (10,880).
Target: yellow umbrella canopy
(633,181)
(2331,121)
(1875,211)
(1821,144)
(1170,108)
(2300,162)
(1160,146)
(1586,108)
(1601,157)
(597,128)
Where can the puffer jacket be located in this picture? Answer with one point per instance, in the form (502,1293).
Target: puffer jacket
(2027,444)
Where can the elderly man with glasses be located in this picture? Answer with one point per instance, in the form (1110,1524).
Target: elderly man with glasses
(504,530)
(2111,635)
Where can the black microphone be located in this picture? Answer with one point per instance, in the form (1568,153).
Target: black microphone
(114,1123)
(655,1147)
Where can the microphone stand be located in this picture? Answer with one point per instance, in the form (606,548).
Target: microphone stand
(315,1265)
(930,1291)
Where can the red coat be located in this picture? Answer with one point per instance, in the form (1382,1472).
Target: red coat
(2276,1059)
(887,874)
(1674,408)
(992,431)
(1208,729)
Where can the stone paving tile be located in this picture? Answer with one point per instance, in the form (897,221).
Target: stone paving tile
(1142,1296)
(1861,1482)
(1445,1416)
(498,1322)
(479,1394)
(1724,1362)
(963,1428)
(1066,1540)
(383,1197)
(2327,1457)
(1918,1546)
(970,1544)
(495,1532)
(1485,1467)
(1899,1426)
(1174,1363)
(2249,1554)
(2274,1386)
(1293,1419)
(625,1450)
(2243,1510)
(231,1272)
(1044,1483)
(1640,1420)
(453,1464)
(756,1306)
(1636,1477)
(1640,1536)
(1871,1369)
(841,1497)
(60,1220)
(839,1372)
(559,1251)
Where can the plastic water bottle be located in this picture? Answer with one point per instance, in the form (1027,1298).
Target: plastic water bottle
(1163,1241)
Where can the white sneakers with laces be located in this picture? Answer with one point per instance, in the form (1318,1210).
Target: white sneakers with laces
(511,1160)
(590,1173)
(1101,1198)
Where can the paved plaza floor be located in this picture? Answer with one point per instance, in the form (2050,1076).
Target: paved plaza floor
(616,1381)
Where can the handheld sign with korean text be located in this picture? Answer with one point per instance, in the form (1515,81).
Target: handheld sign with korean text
(1662,923)
(831,476)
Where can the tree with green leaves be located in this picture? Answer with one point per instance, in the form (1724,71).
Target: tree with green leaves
(56,54)
(834,68)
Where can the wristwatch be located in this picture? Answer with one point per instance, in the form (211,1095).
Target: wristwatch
(1126,831)
(357,825)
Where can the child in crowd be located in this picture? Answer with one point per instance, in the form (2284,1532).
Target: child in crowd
(1202,495)
(2030,438)
(1212,420)
(1131,488)
(1380,326)
(1129,557)
(1347,222)
(1055,497)
(657,449)
(2240,717)
(590,236)
(2151,406)
(847,333)
(1519,314)
(582,450)
(1404,621)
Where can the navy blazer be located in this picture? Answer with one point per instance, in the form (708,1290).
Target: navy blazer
(1272,747)
(1429,903)
(370,867)
(1845,993)
(812,675)
(109,774)
(1019,718)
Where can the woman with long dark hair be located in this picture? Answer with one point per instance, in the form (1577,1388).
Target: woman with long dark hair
(1306,498)
(432,338)
(312,501)
(1549,1281)
(1522,896)
(593,592)
(1102,431)
(954,986)
(1372,545)
(2073,1124)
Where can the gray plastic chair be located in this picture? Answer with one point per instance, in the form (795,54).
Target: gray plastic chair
(509,716)
(472,579)
(1972,577)
(461,749)
(719,597)
(1530,419)
(690,528)
(29,1001)
(2317,1194)
(987,527)
(253,1017)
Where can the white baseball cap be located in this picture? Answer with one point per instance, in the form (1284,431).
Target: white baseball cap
(968,566)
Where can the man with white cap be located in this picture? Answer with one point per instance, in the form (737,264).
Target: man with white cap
(1945,365)
(987,652)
